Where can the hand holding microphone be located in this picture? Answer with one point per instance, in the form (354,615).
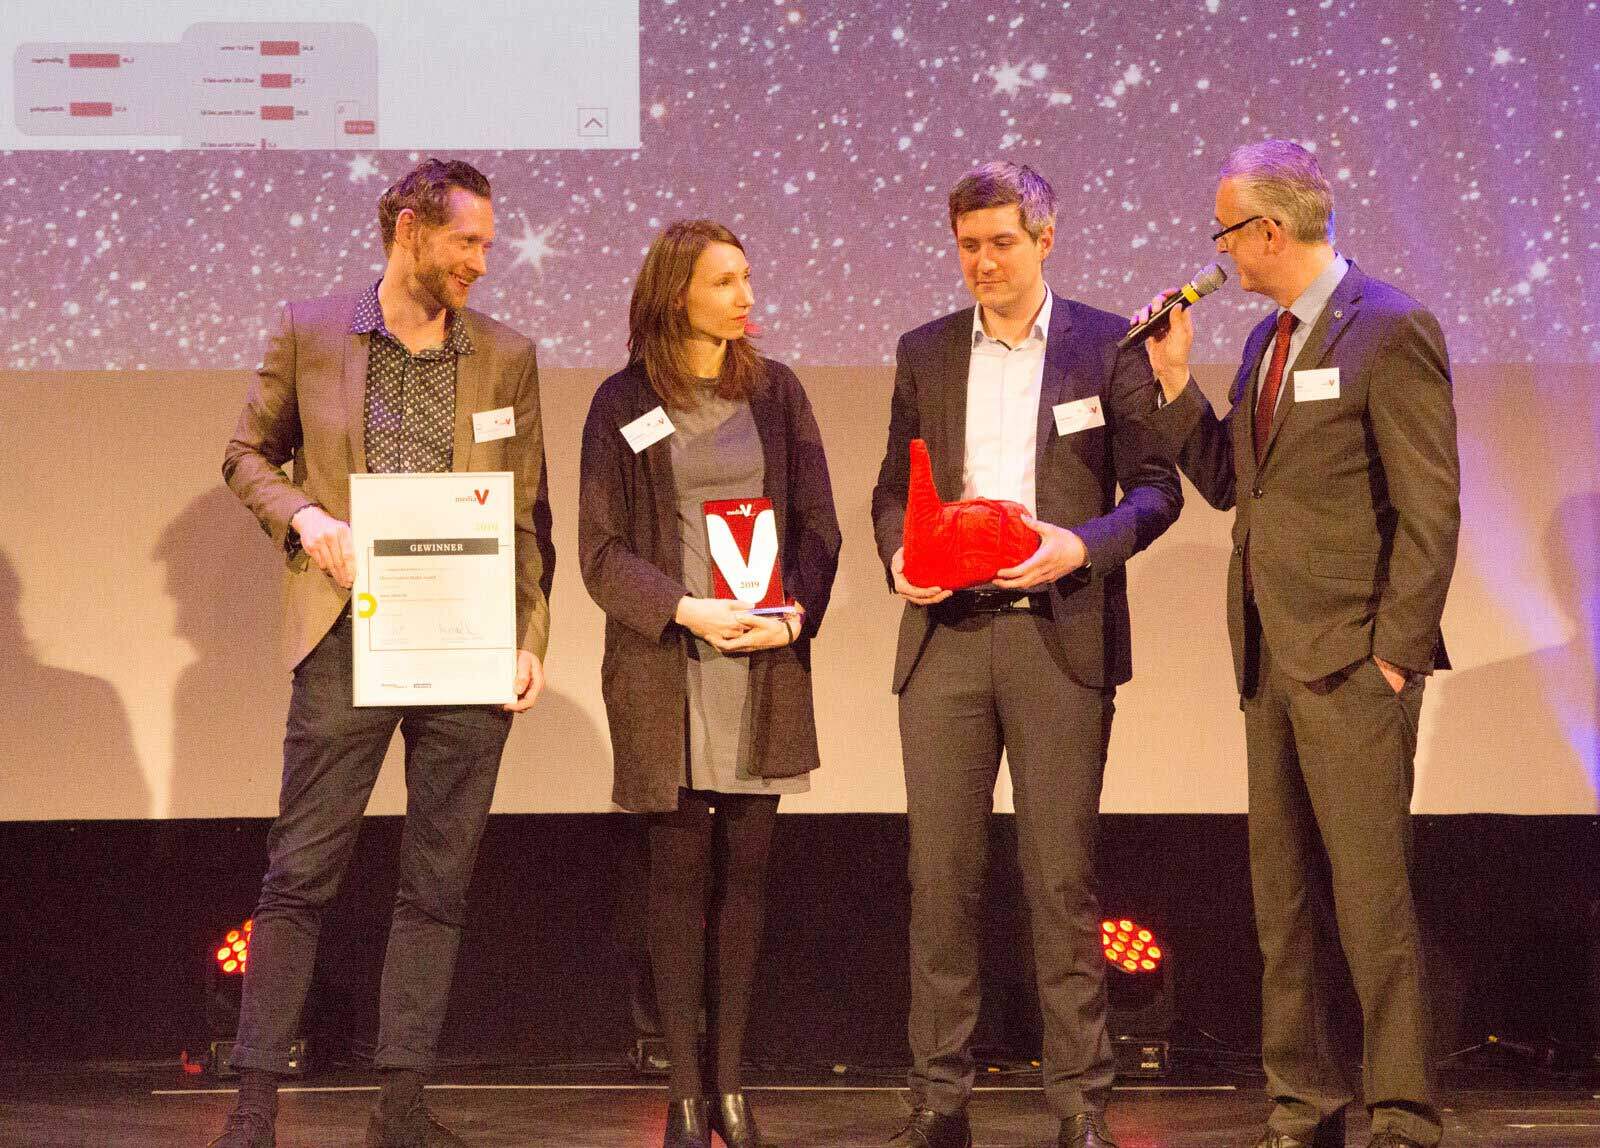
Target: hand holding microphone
(1167,332)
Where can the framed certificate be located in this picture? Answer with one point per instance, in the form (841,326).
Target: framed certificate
(434,603)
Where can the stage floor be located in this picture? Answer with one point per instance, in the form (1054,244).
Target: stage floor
(159,1107)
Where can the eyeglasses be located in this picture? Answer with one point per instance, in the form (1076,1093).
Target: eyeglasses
(1235,227)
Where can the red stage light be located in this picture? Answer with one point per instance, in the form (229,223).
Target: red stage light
(1130,947)
(235,949)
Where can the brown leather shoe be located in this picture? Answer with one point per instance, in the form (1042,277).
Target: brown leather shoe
(1086,1130)
(926,1128)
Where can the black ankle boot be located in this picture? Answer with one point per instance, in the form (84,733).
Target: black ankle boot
(732,1120)
(688,1124)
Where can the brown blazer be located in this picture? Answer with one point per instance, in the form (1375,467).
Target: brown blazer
(632,560)
(307,405)
(1352,517)
(1077,475)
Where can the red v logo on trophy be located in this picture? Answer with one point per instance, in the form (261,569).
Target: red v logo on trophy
(742,535)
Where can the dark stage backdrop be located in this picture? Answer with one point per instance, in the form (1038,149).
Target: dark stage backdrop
(112,927)
(143,260)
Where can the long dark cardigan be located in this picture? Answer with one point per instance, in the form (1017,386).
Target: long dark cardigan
(632,563)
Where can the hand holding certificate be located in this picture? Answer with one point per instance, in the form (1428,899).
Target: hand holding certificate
(434,605)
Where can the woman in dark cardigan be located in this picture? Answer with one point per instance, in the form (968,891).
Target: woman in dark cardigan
(709,704)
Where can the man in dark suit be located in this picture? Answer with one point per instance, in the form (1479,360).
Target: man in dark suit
(1339,453)
(385,381)
(1024,397)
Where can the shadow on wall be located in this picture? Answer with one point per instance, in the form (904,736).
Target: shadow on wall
(1526,726)
(224,575)
(67,749)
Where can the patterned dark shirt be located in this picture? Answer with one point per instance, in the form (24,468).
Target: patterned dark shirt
(411,399)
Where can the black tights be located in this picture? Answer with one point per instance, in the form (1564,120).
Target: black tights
(708,884)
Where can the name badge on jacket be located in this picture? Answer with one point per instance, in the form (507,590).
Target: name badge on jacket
(1079,415)
(1316,386)
(490,425)
(648,429)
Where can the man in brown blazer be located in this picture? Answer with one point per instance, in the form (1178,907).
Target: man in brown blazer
(1339,454)
(1024,397)
(384,381)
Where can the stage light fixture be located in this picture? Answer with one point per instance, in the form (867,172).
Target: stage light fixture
(230,957)
(234,952)
(1140,994)
(1130,947)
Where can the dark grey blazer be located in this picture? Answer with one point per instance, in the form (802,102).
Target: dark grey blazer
(632,561)
(1352,517)
(1077,475)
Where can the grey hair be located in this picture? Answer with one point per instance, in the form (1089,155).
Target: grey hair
(999,183)
(1281,180)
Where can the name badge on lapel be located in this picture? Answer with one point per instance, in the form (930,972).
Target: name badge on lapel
(1079,415)
(1316,386)
(490,425)
(648,429)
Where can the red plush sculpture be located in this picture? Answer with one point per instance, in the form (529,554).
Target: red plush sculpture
(953,545)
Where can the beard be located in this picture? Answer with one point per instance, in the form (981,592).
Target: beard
(436,280)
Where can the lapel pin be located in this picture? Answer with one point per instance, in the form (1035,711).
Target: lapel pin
(1338,314)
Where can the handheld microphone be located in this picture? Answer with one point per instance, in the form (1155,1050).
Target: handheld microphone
(1209,279)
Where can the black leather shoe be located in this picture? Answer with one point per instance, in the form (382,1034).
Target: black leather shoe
(415,1128)
(925,1128)
(1086,1130)
(732,1120)
(246,1130)
(688,1124)
(1389,1138)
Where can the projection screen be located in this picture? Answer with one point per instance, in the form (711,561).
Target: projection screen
(158,202)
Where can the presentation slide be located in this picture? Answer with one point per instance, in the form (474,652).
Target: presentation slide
(170,174)
(335,74)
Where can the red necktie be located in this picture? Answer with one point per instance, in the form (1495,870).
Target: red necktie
(1267,398)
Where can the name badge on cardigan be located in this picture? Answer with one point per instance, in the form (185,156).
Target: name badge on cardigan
(1316,386)
(648,429)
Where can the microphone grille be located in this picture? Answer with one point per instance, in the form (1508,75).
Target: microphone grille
(1210,278)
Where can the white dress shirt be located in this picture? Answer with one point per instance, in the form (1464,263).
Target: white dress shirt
(1003,412)
(1307,309)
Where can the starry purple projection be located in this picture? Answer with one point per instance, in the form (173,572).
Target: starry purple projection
(1461,139)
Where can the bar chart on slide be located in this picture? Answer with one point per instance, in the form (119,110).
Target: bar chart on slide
(222,86)
(384,79)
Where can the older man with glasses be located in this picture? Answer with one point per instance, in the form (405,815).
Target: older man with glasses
(1339,454)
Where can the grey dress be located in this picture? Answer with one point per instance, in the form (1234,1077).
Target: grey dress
(716,453)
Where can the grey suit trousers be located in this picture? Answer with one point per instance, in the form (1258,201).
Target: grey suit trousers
(993,682)
(1330,767)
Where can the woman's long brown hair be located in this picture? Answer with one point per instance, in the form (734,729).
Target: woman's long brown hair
(658,321)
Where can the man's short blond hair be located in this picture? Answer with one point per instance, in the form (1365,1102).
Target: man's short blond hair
(1281,180)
